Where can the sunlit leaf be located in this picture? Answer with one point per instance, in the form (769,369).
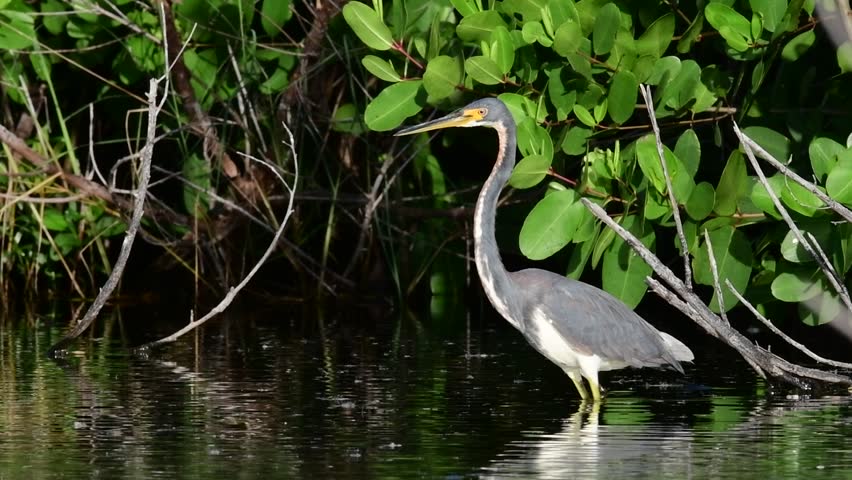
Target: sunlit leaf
(701,201)
(502,49)
(606,25)
(624,272)
(530,171)
(733,254)
(368,26)
(273,15)
(550,225)
(798,46)
(732,184)
(478,26)
(393,105)
(483,70)
(443,75)
(838,185)
(621,100)
(797,286)
(381,68)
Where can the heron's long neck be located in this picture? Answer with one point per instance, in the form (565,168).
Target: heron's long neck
(495,279)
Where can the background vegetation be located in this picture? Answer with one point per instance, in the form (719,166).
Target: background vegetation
(380,217)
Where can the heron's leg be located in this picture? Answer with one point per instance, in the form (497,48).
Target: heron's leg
(596,388)
(578,383)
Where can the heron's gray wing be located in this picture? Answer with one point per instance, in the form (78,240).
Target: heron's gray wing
(591,320)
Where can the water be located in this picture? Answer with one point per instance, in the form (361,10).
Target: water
(267,396)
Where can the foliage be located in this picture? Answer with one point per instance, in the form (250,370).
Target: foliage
(570,74)
(93,59)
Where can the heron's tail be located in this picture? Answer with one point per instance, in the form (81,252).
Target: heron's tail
(681,352)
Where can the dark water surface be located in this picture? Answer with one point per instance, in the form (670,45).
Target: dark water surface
(273,396)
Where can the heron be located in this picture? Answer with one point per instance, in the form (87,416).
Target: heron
(579,327)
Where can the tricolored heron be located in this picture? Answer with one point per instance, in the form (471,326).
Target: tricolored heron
(580,328)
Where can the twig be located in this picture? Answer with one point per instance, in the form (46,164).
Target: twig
(232,293)
(717,286)
(684,245)
(29,199)
(771,326)
(827,270)
(830,202)
(133,227)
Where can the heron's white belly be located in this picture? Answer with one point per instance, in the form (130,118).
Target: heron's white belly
(553,346)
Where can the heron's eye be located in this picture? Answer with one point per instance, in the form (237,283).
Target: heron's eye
(483,112)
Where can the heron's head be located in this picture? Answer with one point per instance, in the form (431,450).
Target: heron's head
(486,112)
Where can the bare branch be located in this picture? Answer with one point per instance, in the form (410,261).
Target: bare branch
(715,270)
(646,93)
(771,326)
(232,293)
(136,218)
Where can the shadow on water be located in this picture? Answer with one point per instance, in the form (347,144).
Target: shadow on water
(273,395)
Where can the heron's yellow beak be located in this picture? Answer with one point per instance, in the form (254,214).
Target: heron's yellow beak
(459,118)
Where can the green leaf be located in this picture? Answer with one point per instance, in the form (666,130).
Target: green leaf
(576,140)
(844,57)
(533,139)
(798,46)
(561,98)
(530,171)
(760,198)
(17,31)
(681,88)
(692,34)
(839,182)
(606,26)
(483,70)
(657,37)
(534,32)
(273,15)
(733,27)
(823,153)
(820,309)
(393,105)
(382,68)
(733,254)
(368,26)
(502,49)
(771,12)
(793,251)
(580,257)
(54,220)
(688,150)
(649,162)
(799,199)
(624,272)
(347,120)
(773,142)
(732,185)
(54,22)
(465,7)
(550,225)
(797,285)
(622,96)
(583,115)
(701,201)
(478,26)
(568,39)
(443,75)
